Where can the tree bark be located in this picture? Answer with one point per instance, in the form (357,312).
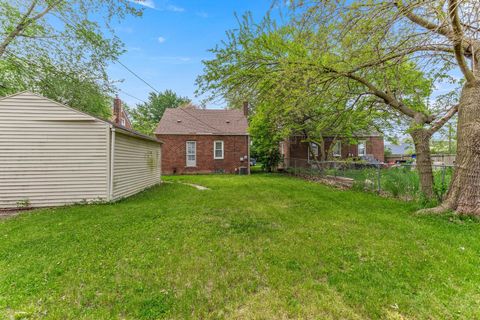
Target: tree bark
(421,140)
(464,193)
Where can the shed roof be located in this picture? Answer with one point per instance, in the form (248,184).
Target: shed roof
(120,128)
(202,121)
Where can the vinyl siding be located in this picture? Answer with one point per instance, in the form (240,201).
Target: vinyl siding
(137,165)
(50,154)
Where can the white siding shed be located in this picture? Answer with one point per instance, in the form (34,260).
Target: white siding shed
(53,155)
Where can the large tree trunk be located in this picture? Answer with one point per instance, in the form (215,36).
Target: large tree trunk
(464,193)
(421,139)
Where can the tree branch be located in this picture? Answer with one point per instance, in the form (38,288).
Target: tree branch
(440,122)
(404,53)
(25,21)
(19,28)
(458,41)
(439,29)
(442,30)
(388,98)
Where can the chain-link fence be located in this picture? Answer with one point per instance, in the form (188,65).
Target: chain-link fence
(399,180)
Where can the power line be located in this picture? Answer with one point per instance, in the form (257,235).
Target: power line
(59,72)
(136,75)
(132,96)
(116,60)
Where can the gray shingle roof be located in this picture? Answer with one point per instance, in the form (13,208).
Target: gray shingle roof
(202,121)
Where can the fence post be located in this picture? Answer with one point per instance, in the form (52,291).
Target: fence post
(443,179)
(379,176)
(295,166)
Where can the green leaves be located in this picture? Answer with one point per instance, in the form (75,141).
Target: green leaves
(145,116)
(57,49)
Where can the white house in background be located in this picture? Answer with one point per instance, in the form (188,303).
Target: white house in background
(52,155)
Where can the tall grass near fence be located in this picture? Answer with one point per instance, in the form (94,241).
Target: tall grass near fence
(399,181)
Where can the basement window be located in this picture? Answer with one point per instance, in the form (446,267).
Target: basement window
(218,151)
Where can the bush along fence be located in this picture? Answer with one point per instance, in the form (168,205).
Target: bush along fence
(399,180)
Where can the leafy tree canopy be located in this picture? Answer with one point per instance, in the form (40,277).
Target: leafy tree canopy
(145,116)
(60,49)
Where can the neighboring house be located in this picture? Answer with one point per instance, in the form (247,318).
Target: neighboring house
(204,141)
(401,152)
(297,153)
(52,155)
(405,152)
(119,115)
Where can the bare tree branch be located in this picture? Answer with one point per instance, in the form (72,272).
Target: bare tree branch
(26,21)
(440,122)
(458,41)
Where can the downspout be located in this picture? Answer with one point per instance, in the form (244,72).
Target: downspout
(107,163)
(248,152)
(112,161)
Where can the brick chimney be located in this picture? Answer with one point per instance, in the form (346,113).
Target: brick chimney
(117,110)
(245,108)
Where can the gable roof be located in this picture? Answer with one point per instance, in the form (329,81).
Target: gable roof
(202,121)
(80,115)
(399,149)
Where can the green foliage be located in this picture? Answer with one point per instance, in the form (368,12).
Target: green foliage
(266,139)
(145,116)
(61,49)
(256,247)
(276,69)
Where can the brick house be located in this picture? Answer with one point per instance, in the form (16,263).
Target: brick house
(369,147)
(204,141)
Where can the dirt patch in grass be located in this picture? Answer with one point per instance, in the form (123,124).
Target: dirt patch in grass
(8,213)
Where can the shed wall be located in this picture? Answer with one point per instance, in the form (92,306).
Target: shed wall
(50,155)
(137,165)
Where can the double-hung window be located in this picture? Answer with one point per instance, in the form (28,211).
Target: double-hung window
(313,148)
(337,149)
(362,148)
(218,150)
(191,154)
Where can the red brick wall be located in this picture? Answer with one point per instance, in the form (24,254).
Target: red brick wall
(174,154)
(376,146)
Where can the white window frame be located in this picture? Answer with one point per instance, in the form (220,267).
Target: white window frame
(188,163)
(339,153)
(123,122)
(310,150)
(215,150)
(364,142)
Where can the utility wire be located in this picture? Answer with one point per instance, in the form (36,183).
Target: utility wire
(132,96)
(58,72)
(71,24)
(136,75)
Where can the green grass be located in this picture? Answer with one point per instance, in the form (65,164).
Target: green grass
(398,182)
(252,247)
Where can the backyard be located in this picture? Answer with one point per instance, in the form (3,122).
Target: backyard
(251,247)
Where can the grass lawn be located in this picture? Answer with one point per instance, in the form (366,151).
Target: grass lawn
(258,247)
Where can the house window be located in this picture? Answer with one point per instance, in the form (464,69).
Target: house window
(218,149)
(313,149)
(362,148)
(191,153)
(123,122)
(337,149)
